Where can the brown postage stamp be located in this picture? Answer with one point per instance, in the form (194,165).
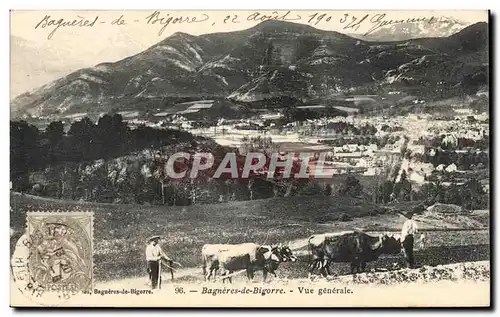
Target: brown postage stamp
(52,261)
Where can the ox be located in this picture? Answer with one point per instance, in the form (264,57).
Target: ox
(355,247)
(211,253)
(246,256)
(285,254)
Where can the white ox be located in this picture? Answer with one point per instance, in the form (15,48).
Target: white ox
(234,257)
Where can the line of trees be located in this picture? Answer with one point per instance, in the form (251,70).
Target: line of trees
(108,162)
(461,143)
(142,178)
(293,114)
(463,160)
(469,195)
(344,128)
(32,149)
(363,140)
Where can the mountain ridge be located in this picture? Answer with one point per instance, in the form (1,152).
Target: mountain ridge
(272,58)
(441,27)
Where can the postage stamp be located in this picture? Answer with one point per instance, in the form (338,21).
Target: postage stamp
(287,158)
(53,260)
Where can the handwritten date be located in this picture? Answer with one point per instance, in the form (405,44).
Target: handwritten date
(369,22)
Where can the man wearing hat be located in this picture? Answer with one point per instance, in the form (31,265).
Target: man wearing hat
(154,253)
(407,238)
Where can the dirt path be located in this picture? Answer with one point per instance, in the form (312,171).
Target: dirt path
(142,282)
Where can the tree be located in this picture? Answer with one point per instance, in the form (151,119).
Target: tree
(25,153)
(473,195)
(55,132)
(328,190)
(290,114)
(384,191)
(105,140)
(351,187)
(311,189)
(453,195)
(83,133)
(402,189)
(250,187)
(119,132)
(158,171)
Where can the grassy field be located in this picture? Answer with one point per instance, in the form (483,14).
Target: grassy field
(121,231)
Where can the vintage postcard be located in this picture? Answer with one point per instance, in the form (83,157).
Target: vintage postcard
(250,159)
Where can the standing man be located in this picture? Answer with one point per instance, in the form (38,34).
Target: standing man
(407,238)
(154,253)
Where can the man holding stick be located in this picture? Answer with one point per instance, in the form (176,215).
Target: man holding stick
(154,254)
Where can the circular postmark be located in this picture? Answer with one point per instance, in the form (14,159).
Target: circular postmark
(52,261)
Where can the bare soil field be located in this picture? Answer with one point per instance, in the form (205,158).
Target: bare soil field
(478,271)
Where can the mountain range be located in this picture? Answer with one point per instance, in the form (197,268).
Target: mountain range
(271,59)
(440,27)
(37,63)
(33,70)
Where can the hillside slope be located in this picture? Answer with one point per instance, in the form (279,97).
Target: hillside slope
(33,70)
(271,59)
(121,231)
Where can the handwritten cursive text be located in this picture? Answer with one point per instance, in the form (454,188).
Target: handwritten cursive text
(164,21)
(275,15)
(379,20)
(48,22)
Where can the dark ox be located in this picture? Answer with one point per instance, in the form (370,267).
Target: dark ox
(284,254)
(247,256)
(354,247)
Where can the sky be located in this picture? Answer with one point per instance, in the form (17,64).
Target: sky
(70,48)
